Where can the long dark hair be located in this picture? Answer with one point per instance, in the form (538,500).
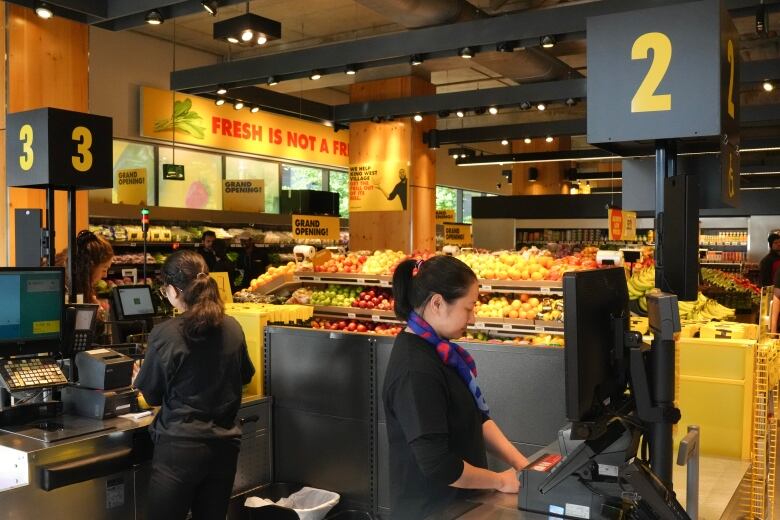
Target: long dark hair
(443,275)
(91,250)
(189,274)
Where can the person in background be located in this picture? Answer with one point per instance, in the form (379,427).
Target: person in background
(93,255)
(438,422)
(400,189)
(252,260)
(223,264)
(194,368)
(770,264)
(206,249)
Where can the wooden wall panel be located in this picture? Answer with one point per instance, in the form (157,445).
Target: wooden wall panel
(48,66)
(400,140)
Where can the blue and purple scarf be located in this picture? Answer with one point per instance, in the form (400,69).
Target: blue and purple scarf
(453,355)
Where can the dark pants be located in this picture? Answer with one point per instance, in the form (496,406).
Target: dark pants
(191,475)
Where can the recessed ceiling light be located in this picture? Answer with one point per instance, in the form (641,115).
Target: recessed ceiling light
(504,142)
(219,102)
(254,110)
(768,86)
(493,110)
(549,139)
(43,10)
(238,105)
(350,70)
(527,140)
(460,113)
(541,106)
(262,39)
(418,117)
(221,91)
(415,59)
(154,17)
(247,35)
(315,75)
(210,6)
(231,39)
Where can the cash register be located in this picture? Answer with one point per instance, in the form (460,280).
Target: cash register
(597,470)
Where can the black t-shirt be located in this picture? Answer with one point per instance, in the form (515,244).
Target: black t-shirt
(433,425)
(400,192)
(777,279)
(768,268)
(198,387)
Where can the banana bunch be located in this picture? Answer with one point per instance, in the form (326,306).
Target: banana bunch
(639,283)
(704,309)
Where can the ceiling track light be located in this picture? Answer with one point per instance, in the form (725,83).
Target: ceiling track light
(219,102)
(154,17)
(210,6)
(247,35)
(548,139)
(315,75)
(255,109)
(460,113)
(221,91)
(533,174)
(466,52)
(768,86)
(43,10)
(527,140)
(571,102)
(548,42)
(247,29)
(504,142)
(418,118)
(525,105)
(272,81)
(541,107)
(493,110)
(350,70)
(505,46)
(238,105)
(415,60)
(262,39)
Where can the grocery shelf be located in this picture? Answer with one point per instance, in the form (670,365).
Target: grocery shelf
(724,247)
(344,278)
(526,286)
(169,245)
(508,325)
(356,313)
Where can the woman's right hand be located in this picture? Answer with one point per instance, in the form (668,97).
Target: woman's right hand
(508,481)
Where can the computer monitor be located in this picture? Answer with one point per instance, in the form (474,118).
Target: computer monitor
(596,316)
(31,311)
(133,302)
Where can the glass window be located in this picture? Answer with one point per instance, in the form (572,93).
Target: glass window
(446,198)
(467,196)
(239,168)
(338,182)
(301,178)
(202,184)
(129,156)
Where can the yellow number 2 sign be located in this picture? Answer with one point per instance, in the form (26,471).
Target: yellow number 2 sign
(82,161)
(27,157)
(645,99)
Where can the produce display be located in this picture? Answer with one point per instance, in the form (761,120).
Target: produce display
(536,339)
(335,295)
(384,329)
(530,264)
(271,275)
(730,289)
(519,306)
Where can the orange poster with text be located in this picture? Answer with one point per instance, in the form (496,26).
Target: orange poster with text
(195,120)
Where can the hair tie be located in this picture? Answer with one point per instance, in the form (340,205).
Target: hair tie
(417,265)
(201,274)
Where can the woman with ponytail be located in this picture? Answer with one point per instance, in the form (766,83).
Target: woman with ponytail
(438,420)
(194,368)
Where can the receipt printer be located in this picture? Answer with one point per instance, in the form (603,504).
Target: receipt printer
(99,404)
(104,369)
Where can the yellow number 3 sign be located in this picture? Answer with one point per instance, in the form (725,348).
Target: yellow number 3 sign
(27,157)
(82,161)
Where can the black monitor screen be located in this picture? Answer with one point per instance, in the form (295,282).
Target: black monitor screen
(31,309)
(591,300)
(134,301)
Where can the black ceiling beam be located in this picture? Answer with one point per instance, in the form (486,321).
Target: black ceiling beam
(95,8)
(512,132)
(125,14)
(759,70)
(282,103)
(501,96)
(528,25)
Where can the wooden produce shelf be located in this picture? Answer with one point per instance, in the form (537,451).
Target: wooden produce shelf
(509,325)
(344,278)
(356,313)
(526,286)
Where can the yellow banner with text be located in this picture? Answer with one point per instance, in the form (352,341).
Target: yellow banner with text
(458,234)
(195,120)
(622,224)
(131,186)
(445,215)
(378,186)
(315,226)
(246,196)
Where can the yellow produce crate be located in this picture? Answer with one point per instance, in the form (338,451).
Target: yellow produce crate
(729,330)
(716,393)
(253,320)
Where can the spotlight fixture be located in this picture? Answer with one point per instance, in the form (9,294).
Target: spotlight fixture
(219,102)
(247,29)
(507,174)
(238,105)
(376,119)
(548,41)
(461,152)
(505,46)
(761,20)
(415,60)
(466,52)
(504,142)
(315,75)
(533,174)
(541,107)
(527,140)
(272,81)
(210,6)
(549,139)
(444,113)
(493,110)
(460,113)
(768,86)
(571,102)
(525,105)
(43,10)
(351,70)
(154,17)
(431,139)
(254,109)
(221,91)
(418,117)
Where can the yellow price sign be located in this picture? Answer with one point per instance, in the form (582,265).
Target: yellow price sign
(46,327)
(458,234)
(315,226)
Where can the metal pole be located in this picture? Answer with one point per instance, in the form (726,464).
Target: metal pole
(70,267)
(662,354)
(50,224)
(688,454)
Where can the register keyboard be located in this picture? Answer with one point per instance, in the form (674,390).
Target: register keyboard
(30,374)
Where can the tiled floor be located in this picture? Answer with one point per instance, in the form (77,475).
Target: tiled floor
(719,480)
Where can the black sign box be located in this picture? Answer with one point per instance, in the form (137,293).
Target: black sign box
(50,147)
